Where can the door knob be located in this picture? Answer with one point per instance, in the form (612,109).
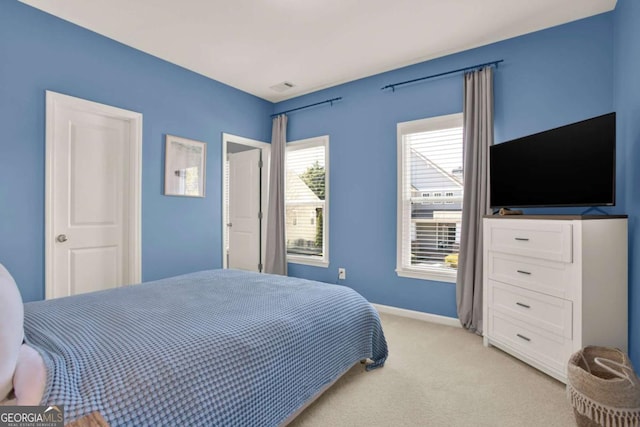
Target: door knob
(229,224)
(61,238)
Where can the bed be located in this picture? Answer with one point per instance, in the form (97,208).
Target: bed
(215,348)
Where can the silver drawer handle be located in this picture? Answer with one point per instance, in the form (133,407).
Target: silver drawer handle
(521,239)
(523,305)
(528,273)
(523,337)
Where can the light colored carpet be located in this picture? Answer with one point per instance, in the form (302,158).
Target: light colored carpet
(440,376)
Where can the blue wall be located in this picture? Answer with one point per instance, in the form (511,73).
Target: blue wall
(627,104)
(39,52)
(549,78)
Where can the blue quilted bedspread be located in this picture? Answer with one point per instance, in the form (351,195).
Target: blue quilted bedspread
(213,348)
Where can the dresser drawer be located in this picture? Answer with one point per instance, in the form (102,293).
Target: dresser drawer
(549,277)
(551,240)
(534,343)
(541,311)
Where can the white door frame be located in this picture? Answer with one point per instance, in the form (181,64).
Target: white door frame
(266,152)
(133,240)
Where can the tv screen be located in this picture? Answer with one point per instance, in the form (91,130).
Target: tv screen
(572,165)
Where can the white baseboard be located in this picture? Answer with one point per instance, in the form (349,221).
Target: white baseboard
(418,315)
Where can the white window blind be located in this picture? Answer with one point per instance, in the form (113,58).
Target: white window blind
(306,196)
(430,190)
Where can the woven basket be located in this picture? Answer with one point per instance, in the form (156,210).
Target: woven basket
(603,388)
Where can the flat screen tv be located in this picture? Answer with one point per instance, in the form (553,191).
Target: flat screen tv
(573,165)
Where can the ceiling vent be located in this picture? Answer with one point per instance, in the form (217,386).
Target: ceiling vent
(282,87)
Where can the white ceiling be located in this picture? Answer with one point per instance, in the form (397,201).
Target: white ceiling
(255,44)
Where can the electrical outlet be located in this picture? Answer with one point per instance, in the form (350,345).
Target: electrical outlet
(342,273)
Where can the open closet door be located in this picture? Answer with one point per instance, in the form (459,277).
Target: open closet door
(244,225)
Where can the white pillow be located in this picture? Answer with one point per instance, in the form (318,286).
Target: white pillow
(11,330)
(30,378)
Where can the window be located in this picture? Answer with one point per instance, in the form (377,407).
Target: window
(429,163)
(449,198)
(306,201)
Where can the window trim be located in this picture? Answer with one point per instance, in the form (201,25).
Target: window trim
(403,128)
(318,141)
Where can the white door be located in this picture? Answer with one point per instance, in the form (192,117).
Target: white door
(244,210)
(92,186)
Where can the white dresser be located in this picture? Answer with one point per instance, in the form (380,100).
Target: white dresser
(554,284)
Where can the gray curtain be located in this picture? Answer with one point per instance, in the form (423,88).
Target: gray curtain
(478,136)
(275,261)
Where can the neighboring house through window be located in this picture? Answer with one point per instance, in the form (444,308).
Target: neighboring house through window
(306,201)
(430,189)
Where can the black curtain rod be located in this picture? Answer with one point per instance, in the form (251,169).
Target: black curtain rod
(393,86)
(331,101)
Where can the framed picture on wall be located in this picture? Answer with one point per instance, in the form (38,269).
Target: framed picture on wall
(184,167)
